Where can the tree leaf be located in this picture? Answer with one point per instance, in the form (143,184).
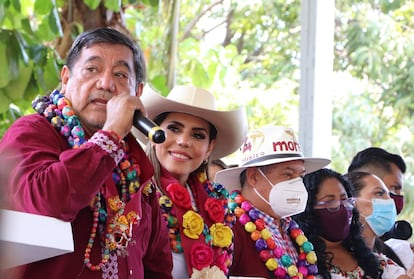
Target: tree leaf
(43,7)
(15,89)
(113,5)
(2,11)
(92,4)
(4,66)
(4,101)
(54,22)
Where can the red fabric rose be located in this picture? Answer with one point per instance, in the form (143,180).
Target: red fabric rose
(179,195)
(201,256)
(215,210)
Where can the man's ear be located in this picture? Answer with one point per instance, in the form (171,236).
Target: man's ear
(139,90)
(64,77)
(251,176)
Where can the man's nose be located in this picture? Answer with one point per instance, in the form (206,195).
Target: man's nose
(106,82)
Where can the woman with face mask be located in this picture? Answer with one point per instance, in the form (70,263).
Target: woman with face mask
(377,215)
(331,223)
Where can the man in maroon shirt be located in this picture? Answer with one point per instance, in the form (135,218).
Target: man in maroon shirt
(76,160)
(267,189)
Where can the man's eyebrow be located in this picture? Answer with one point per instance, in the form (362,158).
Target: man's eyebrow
(119,62)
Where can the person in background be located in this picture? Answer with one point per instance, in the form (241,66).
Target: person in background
(390,168)
(76,160)
(377,215)
(195,210)
(214,166)
(331,223)
(267,189)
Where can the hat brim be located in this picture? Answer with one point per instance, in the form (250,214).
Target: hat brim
(231,125)
(230,178)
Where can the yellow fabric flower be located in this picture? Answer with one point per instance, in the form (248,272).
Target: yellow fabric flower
(221,235)
(193,224)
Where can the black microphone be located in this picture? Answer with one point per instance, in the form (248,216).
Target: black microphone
(153,132)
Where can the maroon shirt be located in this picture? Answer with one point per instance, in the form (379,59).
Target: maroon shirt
(246,259)
(41,174)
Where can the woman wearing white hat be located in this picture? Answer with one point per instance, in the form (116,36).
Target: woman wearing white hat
(194,209)
(268,189)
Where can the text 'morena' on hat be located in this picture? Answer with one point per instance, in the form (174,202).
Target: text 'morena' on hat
(266,146)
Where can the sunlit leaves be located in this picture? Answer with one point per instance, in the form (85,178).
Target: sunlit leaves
(43,7)
(113,5)
(4,66)
(92,4)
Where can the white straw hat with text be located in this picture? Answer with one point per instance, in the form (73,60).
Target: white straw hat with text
(267,146)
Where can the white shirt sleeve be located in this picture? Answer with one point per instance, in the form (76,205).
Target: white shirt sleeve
(391,269)
(403,250)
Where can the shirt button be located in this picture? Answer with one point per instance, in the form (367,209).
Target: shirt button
(130,272)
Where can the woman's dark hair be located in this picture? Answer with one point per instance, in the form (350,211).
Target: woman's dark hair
(110,36)
(354,243)
(357,183)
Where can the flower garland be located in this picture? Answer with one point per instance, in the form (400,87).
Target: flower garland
(357,273)
(117,232)
(272,256)
(218,235)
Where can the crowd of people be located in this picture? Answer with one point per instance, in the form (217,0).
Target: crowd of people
(141,209)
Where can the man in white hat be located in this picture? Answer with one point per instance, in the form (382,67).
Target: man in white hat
(267,190)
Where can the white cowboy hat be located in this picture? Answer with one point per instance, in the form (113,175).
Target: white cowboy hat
(266,146)
(231,125)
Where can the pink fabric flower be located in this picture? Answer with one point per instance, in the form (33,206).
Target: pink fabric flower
(201,256)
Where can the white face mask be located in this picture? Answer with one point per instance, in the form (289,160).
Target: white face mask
(286,198)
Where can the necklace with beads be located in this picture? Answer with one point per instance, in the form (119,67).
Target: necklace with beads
(109,217)
(274,258)
(214,190)
(216,207)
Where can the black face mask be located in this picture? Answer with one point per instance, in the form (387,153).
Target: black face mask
(334,226)
(399,201)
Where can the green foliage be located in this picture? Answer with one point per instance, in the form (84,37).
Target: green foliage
(29,67)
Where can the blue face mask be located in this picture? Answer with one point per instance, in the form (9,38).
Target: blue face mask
(383,216)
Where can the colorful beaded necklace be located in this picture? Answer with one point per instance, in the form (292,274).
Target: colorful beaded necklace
(215,191)
(117,232)
(269,253)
